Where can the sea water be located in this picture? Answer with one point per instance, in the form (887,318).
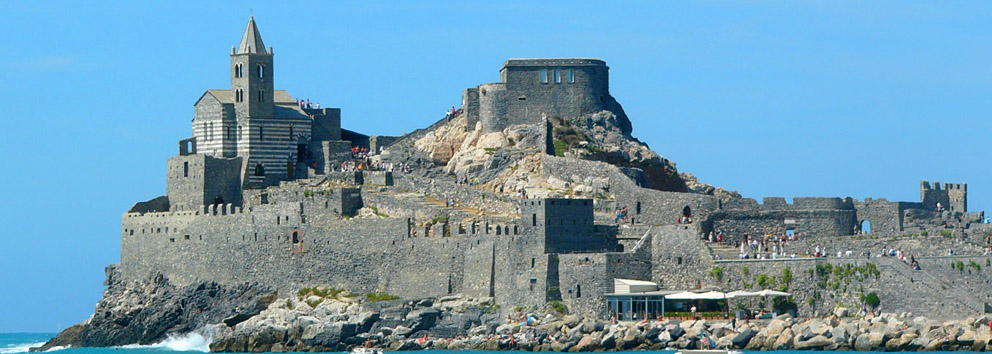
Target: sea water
(194,343)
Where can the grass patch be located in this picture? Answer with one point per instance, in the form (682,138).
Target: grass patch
(379,296)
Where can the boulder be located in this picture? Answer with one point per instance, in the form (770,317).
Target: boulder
(841,312)
(676,332)
(572,320)
(327,334)
(817,342)
(783,341)
(609,341)
(741,339)
(652,332)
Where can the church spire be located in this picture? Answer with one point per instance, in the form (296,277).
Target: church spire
(251,41)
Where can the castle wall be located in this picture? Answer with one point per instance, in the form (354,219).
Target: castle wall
(199,179)
(326,123)
(679,258)
(645,205)
(809,223)
(470,107)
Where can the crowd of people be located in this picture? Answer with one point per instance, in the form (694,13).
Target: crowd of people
(305,104)
(768,247)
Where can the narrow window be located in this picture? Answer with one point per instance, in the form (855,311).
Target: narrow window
(239,133)
(532,262)
(205,131)
(557,76)
(290,132)
(578,290)
(185,168)
(570,75)
(261,133)
(533,219)
(544,76)
(532,283)
(210,133)
(261,70)
(261,94)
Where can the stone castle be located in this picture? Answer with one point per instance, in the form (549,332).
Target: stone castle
(257,194)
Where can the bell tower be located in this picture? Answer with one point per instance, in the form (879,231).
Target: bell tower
(251,75)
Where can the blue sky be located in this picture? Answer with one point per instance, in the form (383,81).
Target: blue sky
(840,98)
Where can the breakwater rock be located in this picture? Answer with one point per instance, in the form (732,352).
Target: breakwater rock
(457,323)
(247,318)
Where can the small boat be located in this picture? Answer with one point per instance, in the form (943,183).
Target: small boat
(708,351)
(364,350)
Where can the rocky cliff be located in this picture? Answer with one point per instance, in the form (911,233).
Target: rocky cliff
(146,312)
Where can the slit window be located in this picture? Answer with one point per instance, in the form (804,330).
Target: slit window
(185,168)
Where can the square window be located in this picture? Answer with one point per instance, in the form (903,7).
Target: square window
(544,76)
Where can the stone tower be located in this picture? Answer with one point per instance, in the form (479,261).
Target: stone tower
(251,75)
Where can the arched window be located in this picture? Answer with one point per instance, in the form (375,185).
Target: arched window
(239,95)
(259,170)
(237,70)
(261,71)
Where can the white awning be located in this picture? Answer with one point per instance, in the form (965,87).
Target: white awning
(742,293)
(686,295)
(768,292)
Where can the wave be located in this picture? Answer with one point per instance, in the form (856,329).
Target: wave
(189,342)
(20,348)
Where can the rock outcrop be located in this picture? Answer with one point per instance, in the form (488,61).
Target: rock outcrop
(147,312)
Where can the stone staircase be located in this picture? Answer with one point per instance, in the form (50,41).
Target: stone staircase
(903,289)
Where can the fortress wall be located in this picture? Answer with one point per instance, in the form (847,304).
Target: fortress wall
(861,245)
(679,258)
(970,280)
(360,254)
(656,207)
(897,286)
(363,254)
(808,223)
(494,107)
(885,217)
(520,272)
(583,278)
(470,107)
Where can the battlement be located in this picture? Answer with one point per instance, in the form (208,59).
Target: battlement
(553,62)
(946,196)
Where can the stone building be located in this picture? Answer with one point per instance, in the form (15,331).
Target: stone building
(533,89)
(267,127)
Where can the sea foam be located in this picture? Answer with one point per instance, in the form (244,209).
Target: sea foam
(19,348)
(189,342)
